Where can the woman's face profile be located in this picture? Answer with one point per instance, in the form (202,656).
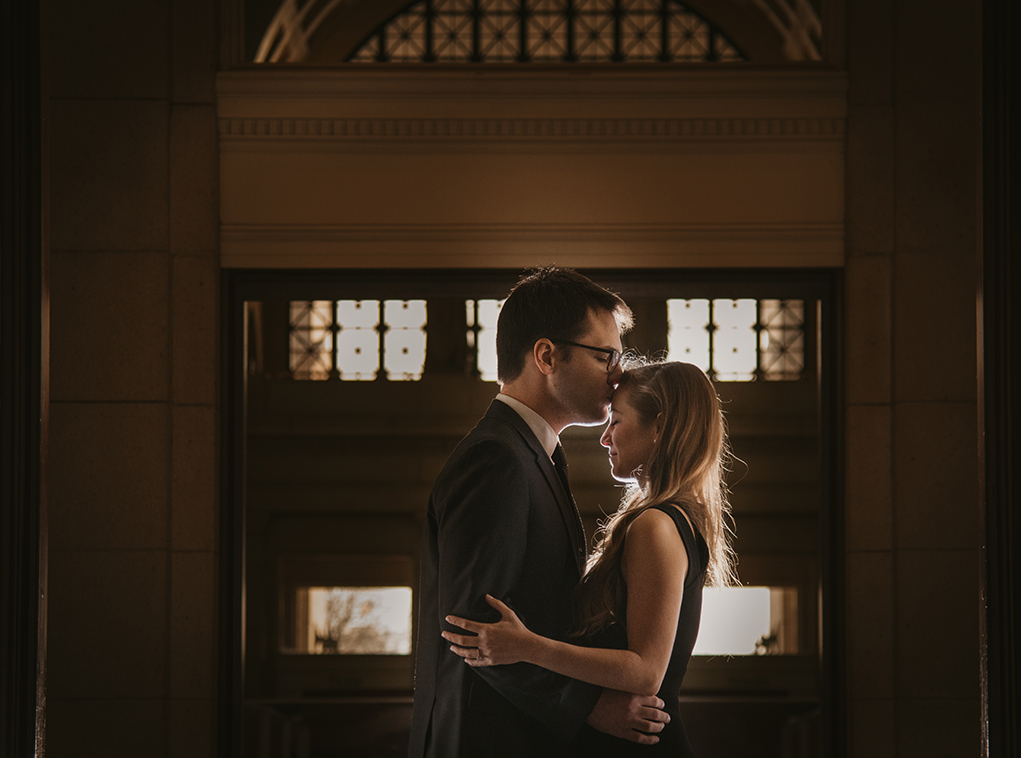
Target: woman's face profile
(627,438)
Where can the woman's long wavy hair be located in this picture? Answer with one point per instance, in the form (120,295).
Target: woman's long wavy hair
(686,467)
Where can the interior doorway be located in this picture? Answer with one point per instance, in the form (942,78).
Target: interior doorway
(348,389)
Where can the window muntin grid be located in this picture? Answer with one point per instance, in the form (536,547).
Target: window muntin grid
(352,339)
(357,356)
(482,316)
(547,31)
(738,340)
(781,339)
(311,339)
(731,340)
(404,339)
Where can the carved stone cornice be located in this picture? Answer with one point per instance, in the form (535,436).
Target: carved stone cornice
(524,244)
(525,129)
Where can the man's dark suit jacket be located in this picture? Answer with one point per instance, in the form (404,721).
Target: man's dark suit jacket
(499,522)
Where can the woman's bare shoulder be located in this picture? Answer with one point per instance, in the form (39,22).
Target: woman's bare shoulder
(653,523)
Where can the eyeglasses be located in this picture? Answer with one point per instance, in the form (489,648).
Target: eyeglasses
(612,355)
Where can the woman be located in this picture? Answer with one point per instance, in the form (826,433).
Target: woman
(639,604)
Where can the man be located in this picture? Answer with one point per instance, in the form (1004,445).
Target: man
(502,521)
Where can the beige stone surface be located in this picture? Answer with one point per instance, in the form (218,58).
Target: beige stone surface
(937,176)
(111,466)
(871,180)
(193,494)
(192,729)
(195,328)
(107,621)
(937,624)
(936,490)
(871,726)
(870,625)
(108,49)
(870,52)
(108,326)
(935,354)
(869,306)
(937,48)
(193,46)
(108,174)
(868,509)
(112,728)
(949,727)
(194,187)
(193,625)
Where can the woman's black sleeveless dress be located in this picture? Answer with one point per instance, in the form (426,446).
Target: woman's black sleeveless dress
(672,740)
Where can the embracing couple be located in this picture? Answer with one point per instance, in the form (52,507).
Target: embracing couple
(526,645)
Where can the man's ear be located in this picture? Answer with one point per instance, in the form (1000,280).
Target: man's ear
(542,354)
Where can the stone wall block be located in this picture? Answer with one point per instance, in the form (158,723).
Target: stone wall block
(111,491)
(193,495)
(194,51)
(195,326)
(870,54)
(108,49)
(194,181)
(108,174)
(870,625)
(937,48)
(193,625)
(869,307)
(934,333)
(870,180)
(936,491)
(937,200)
(948,728)
(869,506)
(109,334)
(937,626)
(192,729)
(107,620)
(872,729)
(126,728)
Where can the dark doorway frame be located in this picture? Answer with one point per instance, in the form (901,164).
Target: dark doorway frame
(24,377)
(999,345)
(241,285)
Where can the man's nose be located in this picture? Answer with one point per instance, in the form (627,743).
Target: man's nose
(613,377)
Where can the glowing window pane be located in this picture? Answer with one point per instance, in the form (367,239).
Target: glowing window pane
(311,339)
(359,620)
(594,30)
(689,37)
(358,339)
(734,340)
(687,332)
(499,30)
(482,335)
(404,342)
(561,31)
(781,339)
(734,620)
(452,30)
(406,35)
(547,30)
(640,37)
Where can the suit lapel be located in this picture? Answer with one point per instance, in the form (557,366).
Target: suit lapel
(565,504)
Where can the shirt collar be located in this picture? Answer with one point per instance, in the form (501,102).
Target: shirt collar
(540,428)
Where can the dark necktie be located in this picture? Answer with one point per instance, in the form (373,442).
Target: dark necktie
(560,464)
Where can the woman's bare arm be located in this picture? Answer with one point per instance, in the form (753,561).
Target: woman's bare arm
(654,564)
